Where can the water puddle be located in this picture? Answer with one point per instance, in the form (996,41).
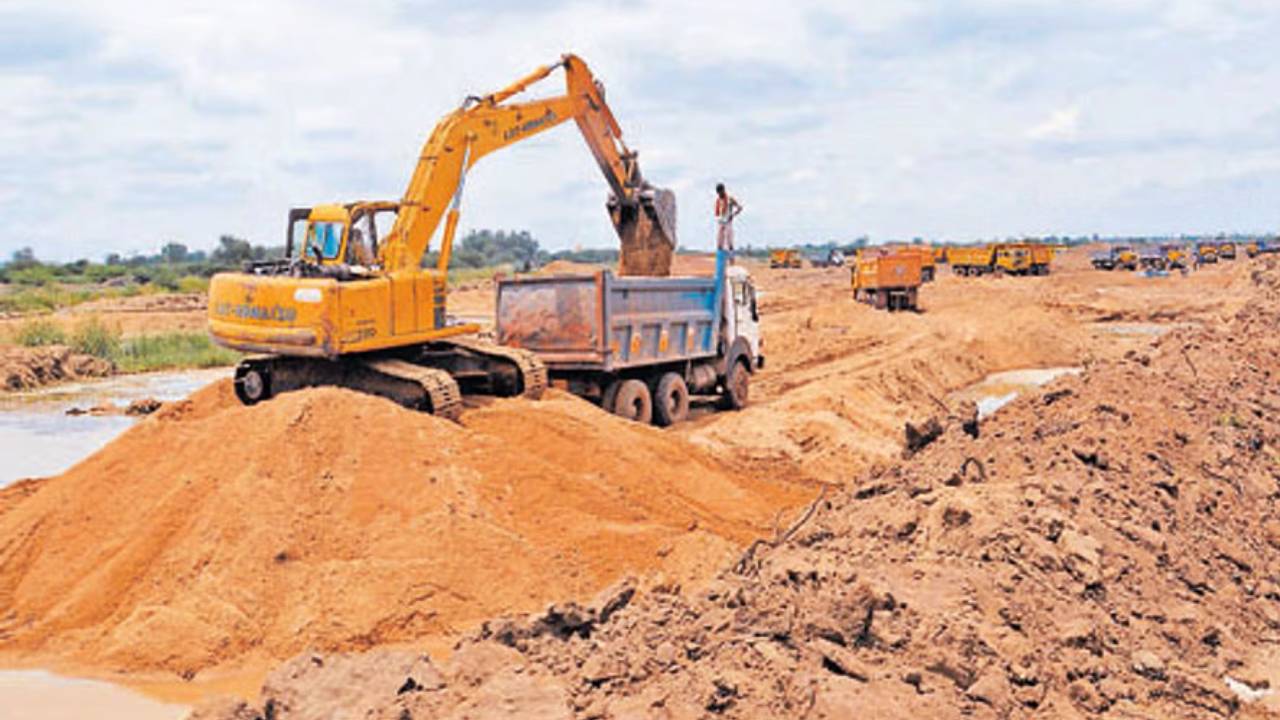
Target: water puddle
(26,694)
(38,438)
(999,389)
(1137,329)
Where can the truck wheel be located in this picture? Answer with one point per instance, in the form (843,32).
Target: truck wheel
(609,396)
(670,400)
(882,299)
(252,384)
(737,383)
(633,402)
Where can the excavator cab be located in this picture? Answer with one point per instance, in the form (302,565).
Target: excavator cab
(340,236)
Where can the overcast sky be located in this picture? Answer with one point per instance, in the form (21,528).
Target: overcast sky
(128,124)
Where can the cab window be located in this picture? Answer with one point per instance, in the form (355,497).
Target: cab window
(324,238)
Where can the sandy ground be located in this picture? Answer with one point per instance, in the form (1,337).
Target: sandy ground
(213,540)
(1106,547)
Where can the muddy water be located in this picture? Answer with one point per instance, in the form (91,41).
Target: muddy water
(999,389)
(38,438)
(29,694)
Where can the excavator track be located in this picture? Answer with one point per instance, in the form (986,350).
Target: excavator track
(532,371)
(440,389)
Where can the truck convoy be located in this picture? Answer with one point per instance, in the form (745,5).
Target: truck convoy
(639,346)
(889,281)
(351,304)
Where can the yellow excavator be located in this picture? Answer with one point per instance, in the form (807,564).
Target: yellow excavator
(351,304)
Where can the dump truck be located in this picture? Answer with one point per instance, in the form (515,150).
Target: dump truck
(1116,257)
(1207,252)
(928,262)
(829,259)
(1000,259)
(888,281)
(1227,250)
(352,303)
(640,346)
(785,259)
(1175,256)
(1152,258)
(1041,258)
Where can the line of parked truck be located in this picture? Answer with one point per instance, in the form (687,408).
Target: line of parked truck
(1174,256)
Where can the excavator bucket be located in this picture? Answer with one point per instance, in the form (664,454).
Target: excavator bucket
(647,230)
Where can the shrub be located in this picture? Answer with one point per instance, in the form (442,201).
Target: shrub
(93,337)
(193,284)
(37,333)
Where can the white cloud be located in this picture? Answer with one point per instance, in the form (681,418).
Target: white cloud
(1063,124)
(185,120)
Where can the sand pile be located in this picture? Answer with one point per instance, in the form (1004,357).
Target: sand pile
(212,533)
(23,368)
(1110,546)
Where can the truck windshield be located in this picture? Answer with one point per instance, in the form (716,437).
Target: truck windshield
(324,238)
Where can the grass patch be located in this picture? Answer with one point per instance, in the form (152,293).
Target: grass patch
(93,337)
(163,351)
(47,298)
(169,351)
(38,333)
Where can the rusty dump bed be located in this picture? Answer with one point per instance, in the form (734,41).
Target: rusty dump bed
(607,323)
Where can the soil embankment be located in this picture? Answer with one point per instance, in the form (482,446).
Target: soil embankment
(28,368)
(1107,547)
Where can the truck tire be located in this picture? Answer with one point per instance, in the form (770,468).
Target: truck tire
(670,400)
(882,299)
(609,396)
(737,384)
(634,402)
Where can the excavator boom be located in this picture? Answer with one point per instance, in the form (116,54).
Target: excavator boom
(643,216)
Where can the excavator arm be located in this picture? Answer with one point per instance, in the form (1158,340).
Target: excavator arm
(644,216)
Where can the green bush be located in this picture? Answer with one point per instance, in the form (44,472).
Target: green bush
(193,284)
(93,337)
(38,275)
(37,333)
(172,350)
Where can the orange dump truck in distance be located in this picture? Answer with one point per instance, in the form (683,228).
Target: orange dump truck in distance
(889,282)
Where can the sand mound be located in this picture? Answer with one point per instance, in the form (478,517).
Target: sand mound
(1110,547)
(211,533)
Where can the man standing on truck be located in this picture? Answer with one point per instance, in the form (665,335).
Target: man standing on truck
(727,208)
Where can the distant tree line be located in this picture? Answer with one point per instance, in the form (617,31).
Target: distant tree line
(174,261)
(165,268)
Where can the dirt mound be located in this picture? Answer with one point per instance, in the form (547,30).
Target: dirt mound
(568,267)
(1110,546)
(212,533)
(23,368)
